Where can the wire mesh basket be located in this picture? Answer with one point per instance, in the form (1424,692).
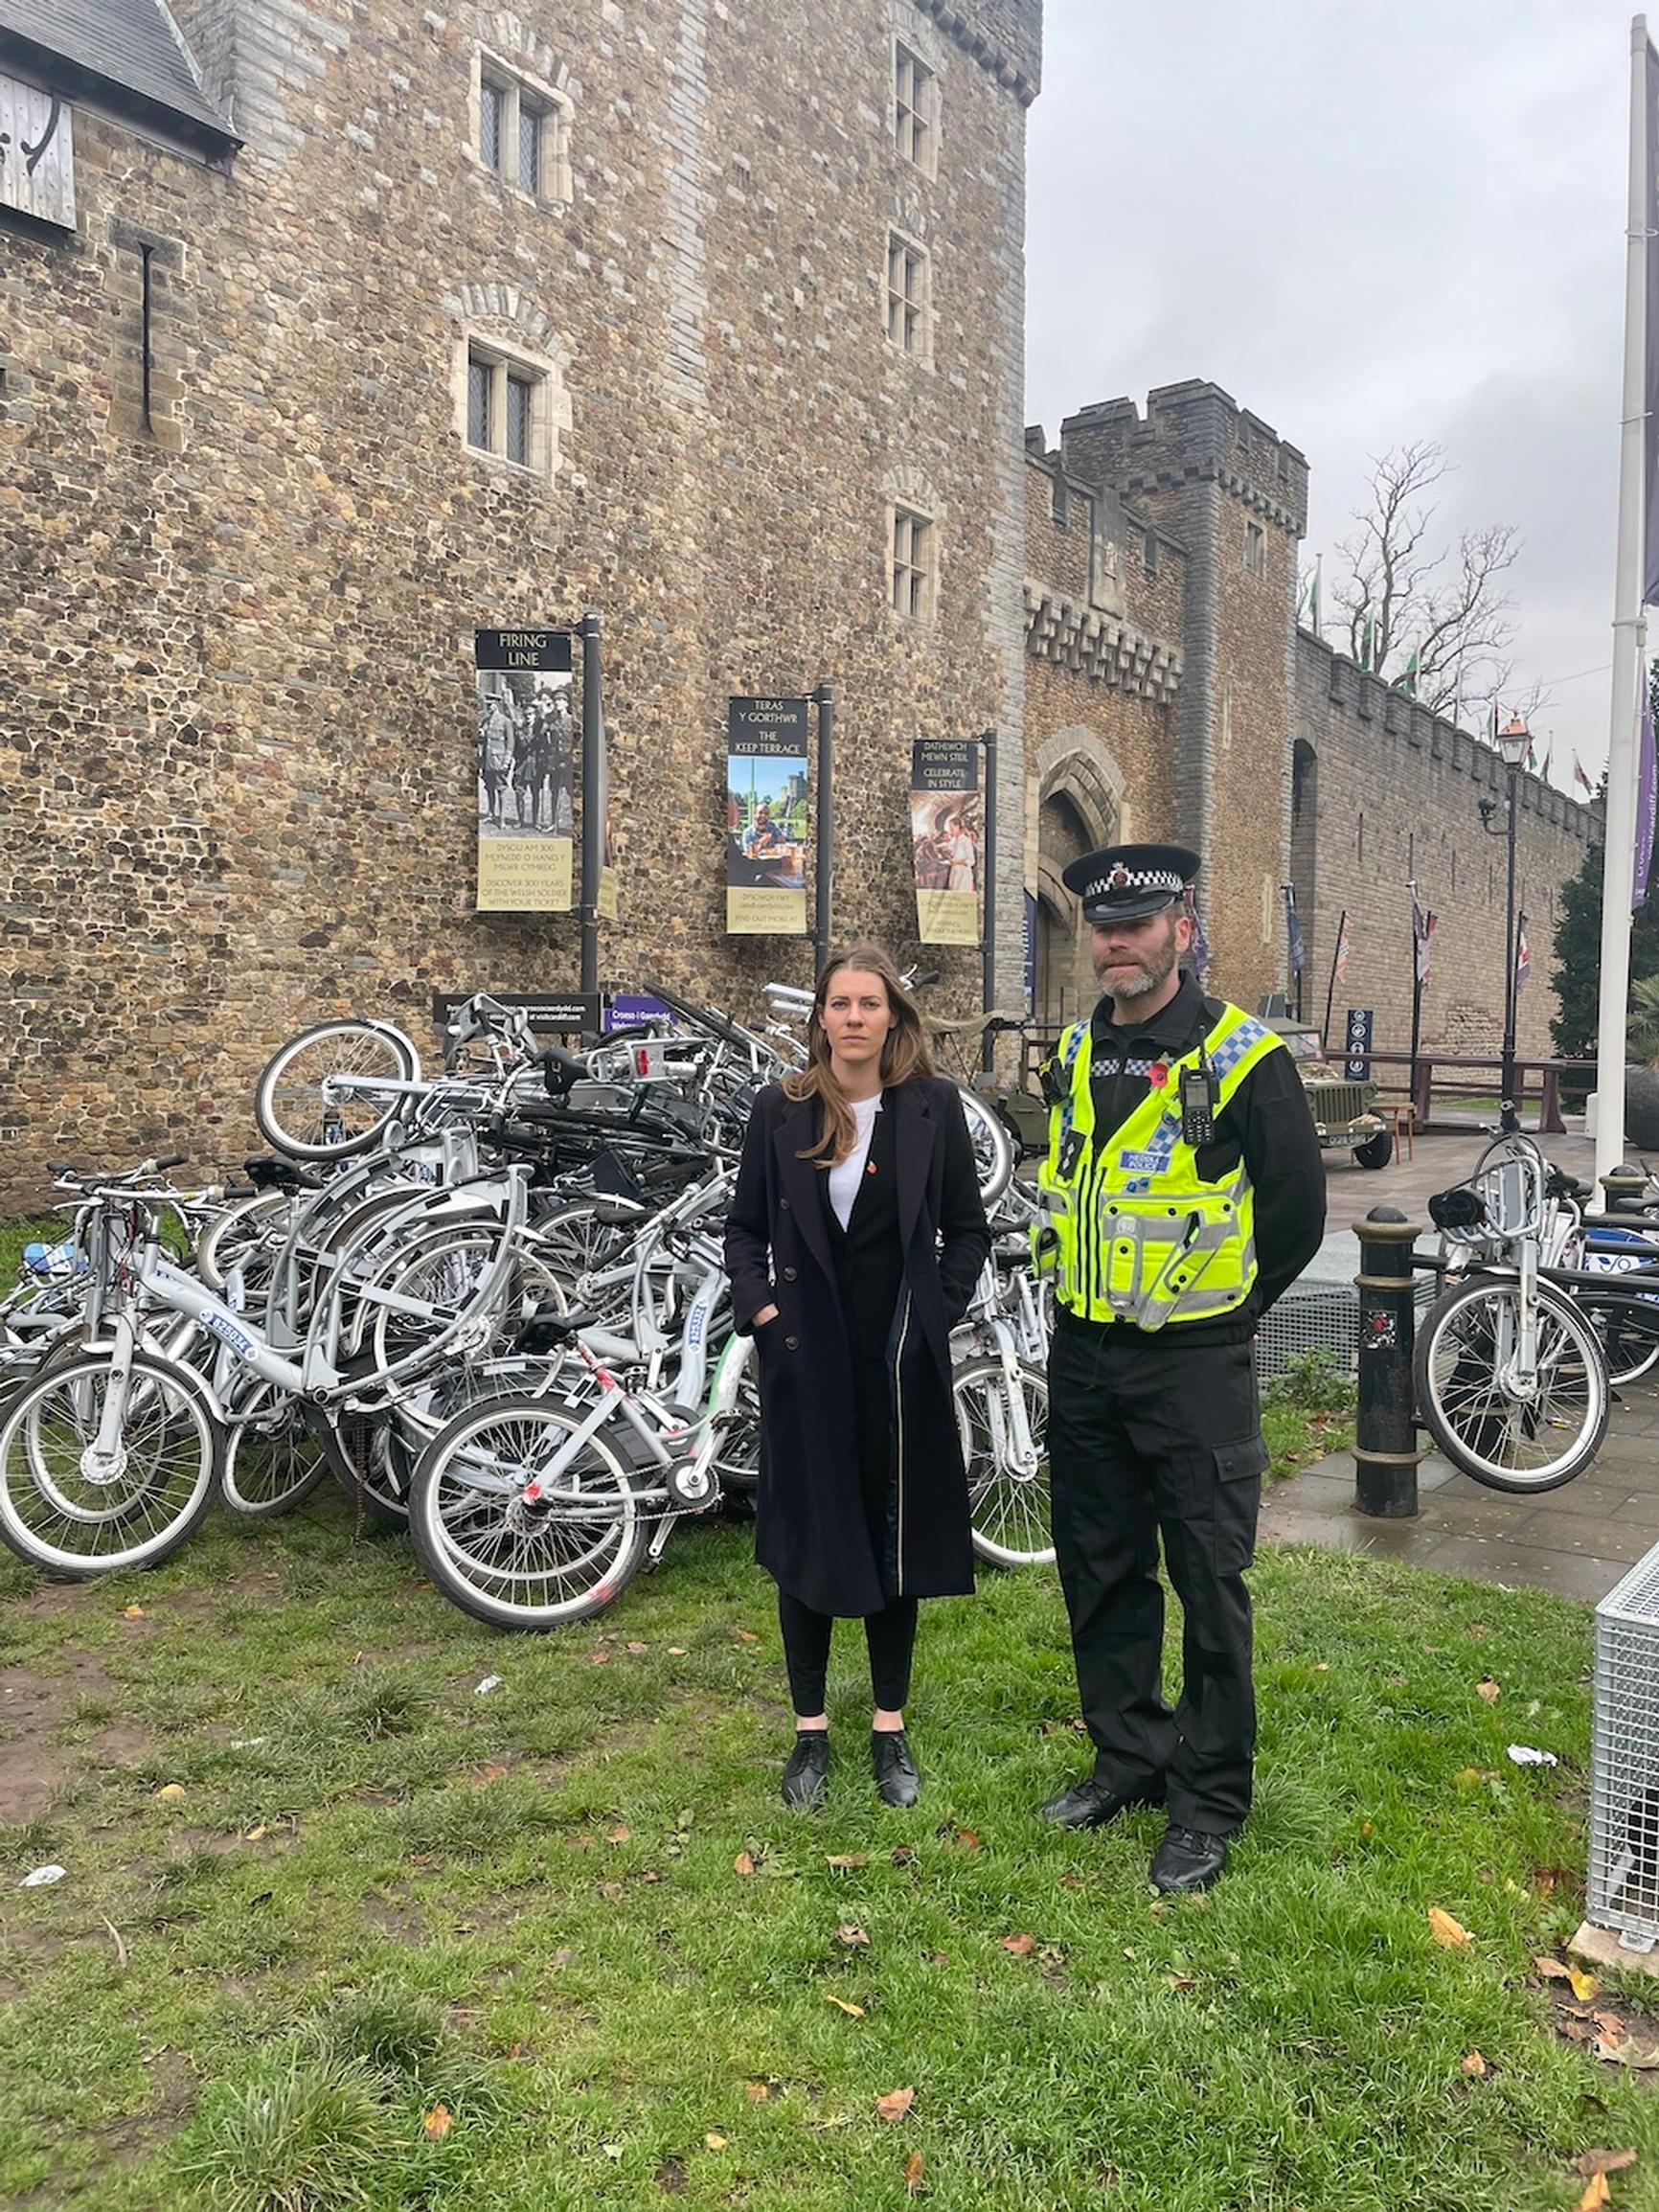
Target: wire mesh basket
(1623,1877)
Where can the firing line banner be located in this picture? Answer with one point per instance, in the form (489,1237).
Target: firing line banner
(526,751)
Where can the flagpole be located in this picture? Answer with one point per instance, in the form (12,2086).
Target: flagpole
(1415,989)
(1330,987)
(1618,870)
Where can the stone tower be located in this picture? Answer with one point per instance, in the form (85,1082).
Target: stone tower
(1234,494)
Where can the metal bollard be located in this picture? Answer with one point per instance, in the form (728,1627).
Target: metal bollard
(1385,1446)
(1622,1182)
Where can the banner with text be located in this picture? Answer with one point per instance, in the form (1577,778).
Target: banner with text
(767,791)
(946,838)
(526,750)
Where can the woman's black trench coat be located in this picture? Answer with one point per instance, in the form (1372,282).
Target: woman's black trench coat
(812,1534)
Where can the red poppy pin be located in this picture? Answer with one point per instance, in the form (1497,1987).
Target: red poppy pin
(870,1167)
(1158,1074)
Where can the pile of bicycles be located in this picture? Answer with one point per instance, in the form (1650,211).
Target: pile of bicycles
(1543,1314)
(490,1302)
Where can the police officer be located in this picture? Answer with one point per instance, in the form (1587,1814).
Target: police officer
(1183,1192)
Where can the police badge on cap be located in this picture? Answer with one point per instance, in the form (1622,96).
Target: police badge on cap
(1125,881)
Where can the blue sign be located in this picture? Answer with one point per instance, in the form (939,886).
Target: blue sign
(1357,1030)
(629,1008)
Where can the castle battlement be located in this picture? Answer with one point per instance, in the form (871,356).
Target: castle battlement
(1191,432)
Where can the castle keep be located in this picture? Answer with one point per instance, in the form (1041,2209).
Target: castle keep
(334,333)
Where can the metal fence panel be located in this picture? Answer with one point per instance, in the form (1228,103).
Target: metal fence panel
(1624,1874)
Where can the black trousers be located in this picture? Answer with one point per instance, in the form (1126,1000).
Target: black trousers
(891,1637)
(1150,1438)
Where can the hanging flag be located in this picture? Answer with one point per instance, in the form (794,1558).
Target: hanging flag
(1492,729)
(1292,928)
(1341,966)
(1578,776)
(1422,929)
(1365,644)
(1549,759)
(1530,763)
(946,838)
(1647,794)
(1407,683)
(1523,952)
(1198,958)
(1315,622)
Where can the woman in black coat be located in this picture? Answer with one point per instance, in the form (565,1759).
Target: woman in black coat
(854,1242)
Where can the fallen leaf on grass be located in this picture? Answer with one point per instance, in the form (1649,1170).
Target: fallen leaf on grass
(1474,2065)
(843,2005)
(902,1854)
(618,1835)
(895,2104)
(714,2142)
(967,1839)
(1590,2164)
(756,2092)
(1628,2052)
(1445,1929)
(1551,1968)
(852,1935)
(1598,2193)
(676,1651)
(1071,1882)
(743,1863)
(494,1770)
(168,1791)
(913,2170)
(133,1613)
(747,1636)
(639,1647)
(1021,1946)
(847,1860)
(599,1658)
(1180,1982)
(1584,1985)
(1487,1689)
(437,2124)
(257,1833)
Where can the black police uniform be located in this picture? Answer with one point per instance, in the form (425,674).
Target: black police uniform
(1159,1432)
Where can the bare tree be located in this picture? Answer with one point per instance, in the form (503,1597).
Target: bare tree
(1421,613)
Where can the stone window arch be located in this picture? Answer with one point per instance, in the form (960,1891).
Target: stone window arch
(508,379)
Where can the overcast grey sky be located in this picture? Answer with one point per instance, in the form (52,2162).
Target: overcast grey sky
(1369,226)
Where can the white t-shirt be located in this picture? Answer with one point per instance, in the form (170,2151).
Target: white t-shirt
(847,1175)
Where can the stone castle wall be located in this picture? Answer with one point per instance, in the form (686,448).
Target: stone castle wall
(235,703)
(1389,791)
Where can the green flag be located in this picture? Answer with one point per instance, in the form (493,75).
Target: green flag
(1407,683)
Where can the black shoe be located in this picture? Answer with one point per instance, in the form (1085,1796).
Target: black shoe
(897,1781)
(1188,1859)
(807,1776)
(1091,1803)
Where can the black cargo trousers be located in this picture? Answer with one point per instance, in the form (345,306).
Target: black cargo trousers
(1150,1437)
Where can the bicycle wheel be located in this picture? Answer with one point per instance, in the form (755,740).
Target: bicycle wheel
(439,1273)
(515,1563)
(272,1459)
(575,1240)
(1008,1499)
(62,1511)
(992,1146)
(236,1236)
(288,1103)
(1510,1435)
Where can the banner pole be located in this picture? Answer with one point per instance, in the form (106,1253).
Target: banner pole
(824,699)
(592,798)
(988,947)
(1618,858)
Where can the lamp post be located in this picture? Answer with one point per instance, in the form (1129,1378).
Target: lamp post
(1514,741)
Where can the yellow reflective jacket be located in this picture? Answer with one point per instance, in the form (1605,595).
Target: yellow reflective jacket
(1135,1232)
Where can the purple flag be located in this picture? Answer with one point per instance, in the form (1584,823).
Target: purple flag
(1646,791)
(1651,436)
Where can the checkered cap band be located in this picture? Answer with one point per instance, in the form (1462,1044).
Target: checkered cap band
(1121,880)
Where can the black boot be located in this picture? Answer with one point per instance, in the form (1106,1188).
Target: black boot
(1188,1859)
(1093,1803)
(807,1776)
(897,1781)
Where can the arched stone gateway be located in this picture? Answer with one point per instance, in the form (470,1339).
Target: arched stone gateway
(1079,808)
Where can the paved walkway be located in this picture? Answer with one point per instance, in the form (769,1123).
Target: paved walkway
(1577,1539)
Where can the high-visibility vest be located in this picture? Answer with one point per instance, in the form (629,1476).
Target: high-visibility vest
(1135,1232)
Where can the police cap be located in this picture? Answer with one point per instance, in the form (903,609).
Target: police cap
(1125,882)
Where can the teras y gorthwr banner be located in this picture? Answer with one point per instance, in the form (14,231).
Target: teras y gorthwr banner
(766,793)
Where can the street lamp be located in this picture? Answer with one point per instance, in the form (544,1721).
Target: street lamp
(1515,743)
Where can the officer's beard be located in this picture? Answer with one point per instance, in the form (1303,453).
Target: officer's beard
(1135,976)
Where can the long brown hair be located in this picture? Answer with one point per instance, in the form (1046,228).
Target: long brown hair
(903,1055)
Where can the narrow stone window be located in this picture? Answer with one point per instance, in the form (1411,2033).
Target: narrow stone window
(1255,549)
(909,296)
(914,555)
(915,109)
(523,131)
(507,410)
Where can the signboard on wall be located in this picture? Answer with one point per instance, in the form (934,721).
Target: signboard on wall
(526,750)
(767,817)
(946,836)
(1358,1032)
(36,153)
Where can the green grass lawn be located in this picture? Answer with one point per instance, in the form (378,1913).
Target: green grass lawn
(338,1930)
